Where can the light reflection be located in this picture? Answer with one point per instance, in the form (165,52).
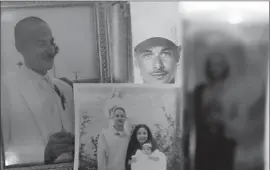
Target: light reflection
(250,11)
(11,158)
(7,16)
(235,18)
(195,6)
(266,154)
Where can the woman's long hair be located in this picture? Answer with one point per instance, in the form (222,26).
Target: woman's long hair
(134,144)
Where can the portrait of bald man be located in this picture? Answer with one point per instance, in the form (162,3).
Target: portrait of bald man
(157,58)
(37,111)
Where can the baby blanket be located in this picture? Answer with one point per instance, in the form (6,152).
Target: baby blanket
(144,163)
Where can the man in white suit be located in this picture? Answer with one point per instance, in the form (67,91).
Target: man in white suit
(36,110)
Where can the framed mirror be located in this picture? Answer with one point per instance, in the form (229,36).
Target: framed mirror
(84,33)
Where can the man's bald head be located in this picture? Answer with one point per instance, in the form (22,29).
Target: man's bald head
(24,27)
(34,40)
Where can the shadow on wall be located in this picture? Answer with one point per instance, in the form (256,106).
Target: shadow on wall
(87,81)
(69,82)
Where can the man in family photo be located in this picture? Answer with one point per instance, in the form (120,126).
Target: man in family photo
(37,111)
(113,141)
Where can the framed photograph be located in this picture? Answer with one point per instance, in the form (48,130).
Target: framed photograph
(157,46)
(224,60)
(78,36)
(96,108)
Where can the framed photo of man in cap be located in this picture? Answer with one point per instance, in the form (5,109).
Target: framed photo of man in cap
(157,44)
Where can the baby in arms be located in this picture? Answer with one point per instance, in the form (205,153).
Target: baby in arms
(147,159)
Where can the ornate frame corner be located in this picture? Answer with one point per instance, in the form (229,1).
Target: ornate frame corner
(103,44)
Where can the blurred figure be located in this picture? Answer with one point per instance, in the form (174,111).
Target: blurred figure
(245,99)
(229,108)
(244,116)
(213,150)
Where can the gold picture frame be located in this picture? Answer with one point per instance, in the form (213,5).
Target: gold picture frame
(107,73)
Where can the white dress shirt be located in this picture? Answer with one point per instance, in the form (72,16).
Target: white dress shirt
(112,149)
(50,105)
(31,111)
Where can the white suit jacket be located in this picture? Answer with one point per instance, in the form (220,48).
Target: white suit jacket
(22,128)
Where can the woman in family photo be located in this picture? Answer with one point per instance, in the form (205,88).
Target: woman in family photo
(140,138)
(117,150)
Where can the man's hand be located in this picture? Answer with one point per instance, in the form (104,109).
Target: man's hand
(65,157)
(59,145)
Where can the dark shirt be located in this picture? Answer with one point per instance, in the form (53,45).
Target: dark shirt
(213,150)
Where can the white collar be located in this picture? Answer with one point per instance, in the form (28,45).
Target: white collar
(118,133)
(34,76)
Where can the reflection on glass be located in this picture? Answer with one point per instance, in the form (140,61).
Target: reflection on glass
(230,102)
(11,158)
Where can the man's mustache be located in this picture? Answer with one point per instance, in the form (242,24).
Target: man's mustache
(159,72)
(56,50)
(53,54)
